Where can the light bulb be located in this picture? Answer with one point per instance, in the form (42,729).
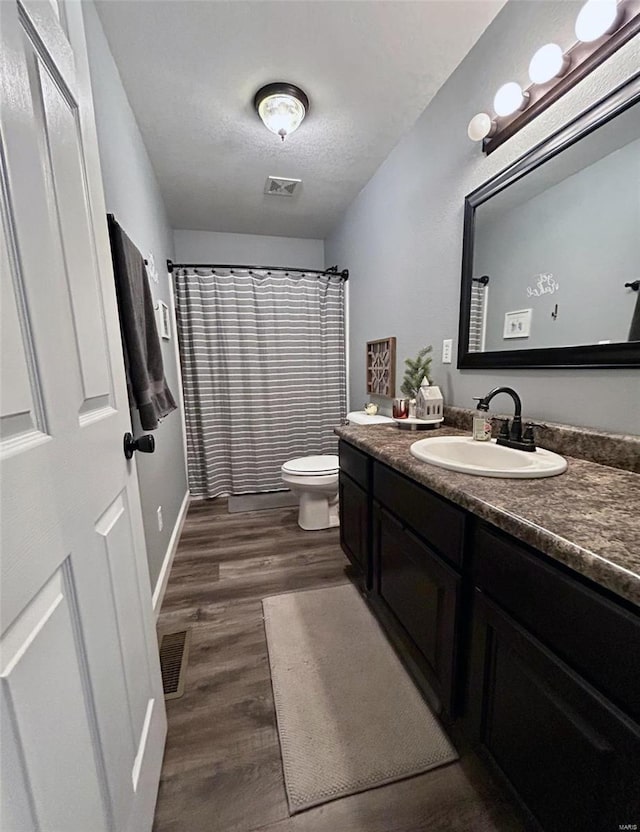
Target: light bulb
(548,62)
(597,18)
(510,98)
(480,126)
(282,114)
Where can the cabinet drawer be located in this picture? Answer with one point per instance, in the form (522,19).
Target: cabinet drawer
(441,525)
(568,753)
(354,463)
(592,634)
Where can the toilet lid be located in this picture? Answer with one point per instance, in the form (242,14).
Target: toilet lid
(309,465)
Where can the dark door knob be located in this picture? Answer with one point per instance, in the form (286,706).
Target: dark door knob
(145,444)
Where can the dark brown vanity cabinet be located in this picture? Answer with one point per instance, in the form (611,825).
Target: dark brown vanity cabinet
(355,509)
(552,689)
(541,665)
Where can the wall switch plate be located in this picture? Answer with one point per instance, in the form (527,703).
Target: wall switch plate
(447,349)
(160,521)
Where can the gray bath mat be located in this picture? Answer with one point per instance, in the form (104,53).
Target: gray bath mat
(349,717)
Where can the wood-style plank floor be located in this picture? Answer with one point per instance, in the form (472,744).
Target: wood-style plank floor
(222,769)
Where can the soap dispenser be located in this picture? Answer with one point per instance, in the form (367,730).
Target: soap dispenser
(481,425)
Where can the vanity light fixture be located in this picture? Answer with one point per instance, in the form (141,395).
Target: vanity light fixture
(601,27)
(548,63)
(596,19)
(282,107)
(481,126)
(509,99)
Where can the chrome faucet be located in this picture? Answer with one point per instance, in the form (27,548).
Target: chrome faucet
(511,436)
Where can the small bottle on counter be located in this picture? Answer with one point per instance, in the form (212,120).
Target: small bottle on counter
(481,428)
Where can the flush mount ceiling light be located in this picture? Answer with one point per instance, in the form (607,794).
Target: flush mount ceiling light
(281,107)
(597,18)
(509,99)
(548,62)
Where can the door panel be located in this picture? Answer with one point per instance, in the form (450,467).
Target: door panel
(83,739)
(21,417)
(114,529)
(58,119)
(17,811)
(42,671)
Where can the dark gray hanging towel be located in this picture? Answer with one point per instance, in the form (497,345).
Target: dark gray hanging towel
(634,331)
(146,384)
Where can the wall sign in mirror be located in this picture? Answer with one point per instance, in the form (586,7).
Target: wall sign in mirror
(551,249)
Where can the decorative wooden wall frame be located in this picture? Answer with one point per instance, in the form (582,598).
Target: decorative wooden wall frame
(381,367)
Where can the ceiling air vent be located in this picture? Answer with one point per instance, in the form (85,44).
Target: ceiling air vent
(279,186)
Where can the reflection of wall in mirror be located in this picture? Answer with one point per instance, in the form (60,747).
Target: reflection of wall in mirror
(583,232)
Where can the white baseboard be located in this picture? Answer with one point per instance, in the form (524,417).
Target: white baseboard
(163,577)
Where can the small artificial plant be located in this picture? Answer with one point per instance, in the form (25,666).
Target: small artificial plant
(415,371)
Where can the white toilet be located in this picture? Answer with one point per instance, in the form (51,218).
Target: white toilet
(315,480)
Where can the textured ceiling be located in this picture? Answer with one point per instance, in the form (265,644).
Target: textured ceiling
(191,69)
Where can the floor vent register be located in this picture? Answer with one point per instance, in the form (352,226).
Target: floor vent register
(174,652)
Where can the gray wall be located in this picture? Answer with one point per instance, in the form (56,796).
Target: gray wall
(585,231)
(401,238)
(247,249)
(133,196)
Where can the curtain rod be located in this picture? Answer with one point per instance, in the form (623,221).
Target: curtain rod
(344,273)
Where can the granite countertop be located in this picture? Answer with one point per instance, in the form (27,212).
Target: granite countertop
(588,518)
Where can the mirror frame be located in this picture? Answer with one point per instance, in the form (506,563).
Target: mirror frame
(624,354)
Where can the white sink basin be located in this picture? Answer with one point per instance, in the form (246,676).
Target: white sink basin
(486,459)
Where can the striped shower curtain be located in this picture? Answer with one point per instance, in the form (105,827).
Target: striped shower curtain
(263,364)
(478,316)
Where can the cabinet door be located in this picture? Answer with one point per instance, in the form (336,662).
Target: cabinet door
(571,756)
(422,593)
(599,639)
(354,523)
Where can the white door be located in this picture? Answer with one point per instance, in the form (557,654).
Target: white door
(83,720)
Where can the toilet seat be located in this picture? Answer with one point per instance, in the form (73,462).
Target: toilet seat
(312,466)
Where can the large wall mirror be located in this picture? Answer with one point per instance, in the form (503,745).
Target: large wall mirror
(551,251)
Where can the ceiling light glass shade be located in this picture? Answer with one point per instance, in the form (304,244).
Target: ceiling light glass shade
(548,62)
(509,98)
(282,107)
(597,18)
(480,126)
